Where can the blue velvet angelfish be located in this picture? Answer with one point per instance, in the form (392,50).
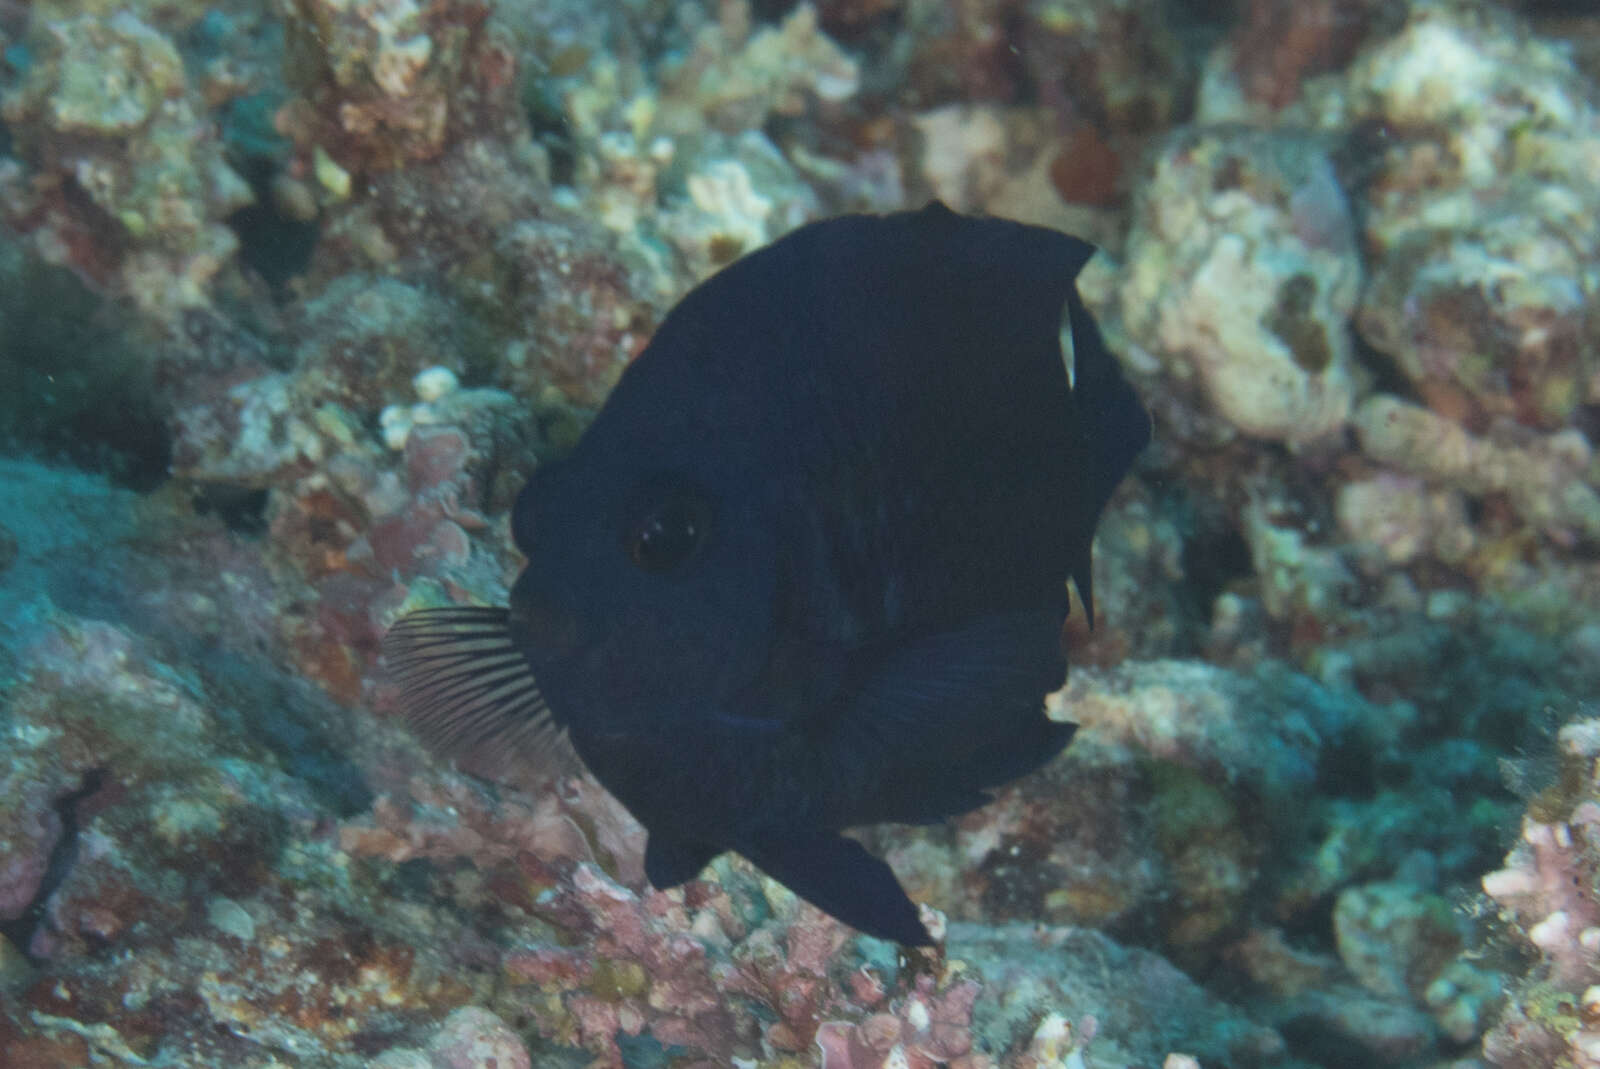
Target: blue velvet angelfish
(807,569)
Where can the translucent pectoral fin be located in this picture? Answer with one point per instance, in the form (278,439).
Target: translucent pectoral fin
(468,693)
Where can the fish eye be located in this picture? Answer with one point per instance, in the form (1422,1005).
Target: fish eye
(668,532)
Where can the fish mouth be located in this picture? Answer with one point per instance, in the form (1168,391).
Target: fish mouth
(465,688)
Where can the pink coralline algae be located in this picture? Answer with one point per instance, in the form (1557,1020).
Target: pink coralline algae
(639,973)
(446,817)
(926,1029)
(359,523)
(729,967)
(355,533)
(1550,889)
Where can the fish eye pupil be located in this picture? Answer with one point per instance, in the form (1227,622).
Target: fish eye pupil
(668,534)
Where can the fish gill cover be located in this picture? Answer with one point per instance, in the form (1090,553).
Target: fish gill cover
(296,298)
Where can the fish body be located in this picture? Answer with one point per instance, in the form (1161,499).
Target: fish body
(807,568)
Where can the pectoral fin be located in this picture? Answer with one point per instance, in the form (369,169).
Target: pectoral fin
(466,690)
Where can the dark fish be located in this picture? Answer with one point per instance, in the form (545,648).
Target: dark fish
(807,569)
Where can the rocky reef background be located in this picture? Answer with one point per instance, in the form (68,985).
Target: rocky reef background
(295,293)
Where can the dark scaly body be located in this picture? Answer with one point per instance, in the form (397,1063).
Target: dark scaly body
(867,433)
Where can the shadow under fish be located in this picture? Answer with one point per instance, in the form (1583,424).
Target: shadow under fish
(807,569)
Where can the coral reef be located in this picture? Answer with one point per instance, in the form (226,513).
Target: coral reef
(1550,889)
(384,84)
(736,75)
(318,284)
(1482,216)
(1257,229)
(1543,479)
(129,183)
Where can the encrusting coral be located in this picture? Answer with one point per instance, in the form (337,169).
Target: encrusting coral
(130,186)
(1257,230)
(1482,213)
(1550,889)
(1544,479)
(382,84)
